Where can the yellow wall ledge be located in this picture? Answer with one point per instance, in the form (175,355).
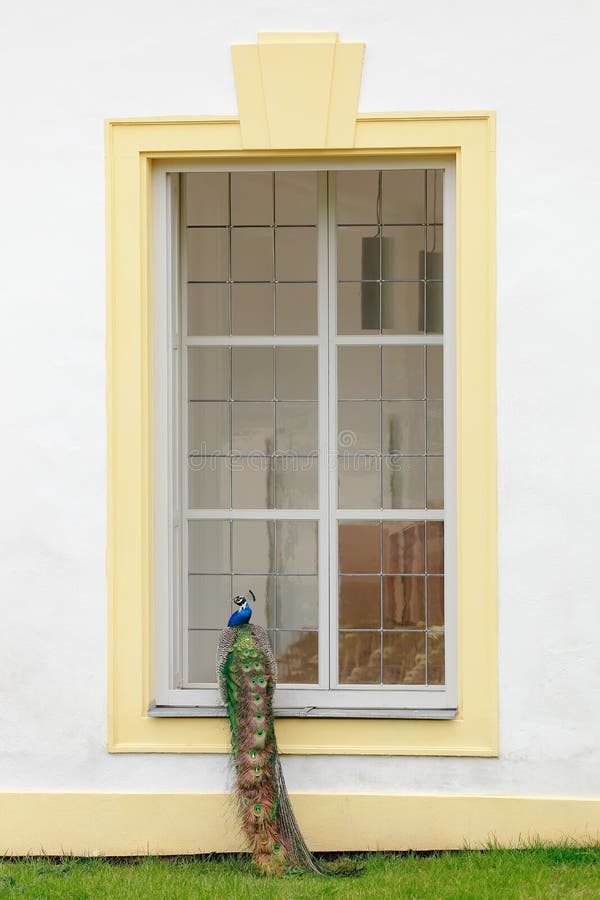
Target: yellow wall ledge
(131,824)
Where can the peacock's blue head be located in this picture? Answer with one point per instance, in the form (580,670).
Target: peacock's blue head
(242,601)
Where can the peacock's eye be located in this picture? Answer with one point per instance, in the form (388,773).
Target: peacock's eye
(257,665)
(261,680)
(257,697)
(253,681)
(253,754)
(276,846)
(247,667)
(260,732)
(259,716)
(257,807)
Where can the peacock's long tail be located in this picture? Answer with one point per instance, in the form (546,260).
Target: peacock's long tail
(247,675)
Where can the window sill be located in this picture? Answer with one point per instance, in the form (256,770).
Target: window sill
(303,712)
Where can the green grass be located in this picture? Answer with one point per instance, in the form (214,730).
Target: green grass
(536,871)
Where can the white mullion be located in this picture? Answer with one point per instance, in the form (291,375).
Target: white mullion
(333,458)
(387,339)
(324,437)
(420,515)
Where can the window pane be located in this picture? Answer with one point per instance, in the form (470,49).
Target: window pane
(297,601)
(404,547)
(252,308)
(358,253)
(296,373)
(403,601)
(435,426)
(435,195)
(403,371)
(296,254)
(404,658)
(357,197)
(297,547)
(208,428)
(208,547)
(208,373)
(296,198)
(208,479)
(359,547)
(435,547)
(359,426)
(252,482)
(297,657)
(403,307)
(208,309)
(403,482)
(252,254)
(207,198)
(360,601)
(435,372)
(201,656)
(358,308)
(360,657)
(252,198)
(359,373)
(435,601)
(207,252)
(359,482)
(403,423)
(252,373)
(297,425)
(403,197)
(296,483)
(296,309)
(252,427)
(253,546)
(435,483)
(209,601)
(435,307)
(435,658)
(404,259)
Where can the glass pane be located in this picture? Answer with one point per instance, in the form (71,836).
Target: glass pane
(359,481)
(208,480)
(252,308)
(360,657)
(435,195)
(296,254)
(207,198)
(435,601)
(357,197)
(403,423)
(404,658)
(359,425)
(360,601)
(297,601)
(358,253)
(201,656)
(296,483)
(208,547)
(403,601)
(403,482)
(252,427)
(435,307)
(358,308)
(403,197)
(296,309)
(207,254)
(252,483)
(403,372)
(435,547)
(208,428)
(253,546)
(359,373)
(297,547)
(208,373)
(297,425)
(296,198)
(435,253)
(252,371)
(435,426)
(435,659)
(209,601)
(403,307)
(435,483)
(359,547)
(252,198)
(208,309)
(263,586)
(297,657)
(404,259)
(404,547)
(252,254)
(296,373)
(435,372)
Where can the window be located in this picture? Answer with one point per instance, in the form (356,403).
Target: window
(302,367)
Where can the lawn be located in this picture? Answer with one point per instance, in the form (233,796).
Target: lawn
(544,872)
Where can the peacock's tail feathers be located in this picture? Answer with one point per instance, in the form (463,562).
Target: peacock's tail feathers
(247,675)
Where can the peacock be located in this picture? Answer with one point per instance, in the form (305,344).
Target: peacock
(247,675)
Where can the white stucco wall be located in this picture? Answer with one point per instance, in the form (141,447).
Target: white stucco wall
(65,67)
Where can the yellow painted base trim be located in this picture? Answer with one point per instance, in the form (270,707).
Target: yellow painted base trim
(131,824)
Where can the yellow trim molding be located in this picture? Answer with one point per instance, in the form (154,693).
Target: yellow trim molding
(131,824)
(131,148)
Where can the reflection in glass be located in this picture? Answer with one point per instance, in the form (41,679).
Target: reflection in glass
(252,371)
(252,483)
(435,483)
(403,372)
(359,425)
(209,600)
(435,307)
(435,426)
(201,656)
(251,309)
(403,601)
(296,482)
(252,427)
(208,482)
(297,424)
(296,254)
(360,657)
(252,254)
(435,195)
(208,427)
(208,309)
(297,601)
(252,198)
(435,547)
(403,196)
(208,546)
(403,482)
(207,254)
(208,373)
(253,546)
(296,198)
(407,244)
(207,198)
(359,547)
(360,601)
(296,373)
(357,260)
(359,373)
(403,423)
(296,309)
(403,307)
(359,482)
(435,372)
(403,547)
(435,658)
(297,657)
(357,197)
(404,658)
(351,301)
(297,547)
(435,601)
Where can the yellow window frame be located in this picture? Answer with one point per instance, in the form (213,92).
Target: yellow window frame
(280,117)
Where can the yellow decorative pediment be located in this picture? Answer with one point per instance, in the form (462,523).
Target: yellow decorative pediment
(298,91)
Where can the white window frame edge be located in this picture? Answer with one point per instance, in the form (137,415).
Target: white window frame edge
(357,700)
